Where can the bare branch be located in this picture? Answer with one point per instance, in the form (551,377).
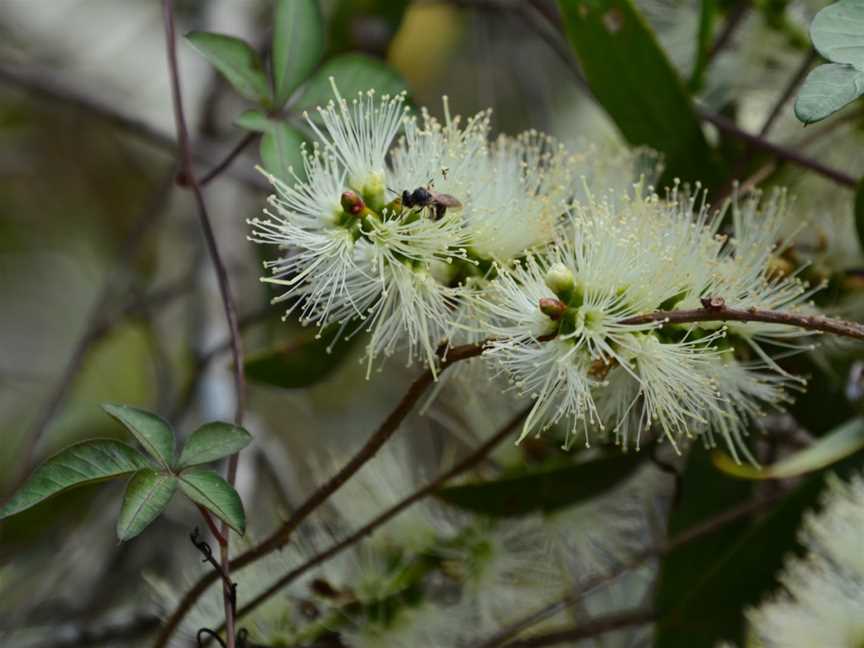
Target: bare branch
(41,84)
(781,152)
(188,176)
(788,91)
(593,628)
(232,155)
(281,536)
(466,464)
(697,531)
(725,314)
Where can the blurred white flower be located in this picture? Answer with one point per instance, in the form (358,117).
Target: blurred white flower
(822,601)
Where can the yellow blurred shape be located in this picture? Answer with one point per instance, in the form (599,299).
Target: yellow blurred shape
(424,44)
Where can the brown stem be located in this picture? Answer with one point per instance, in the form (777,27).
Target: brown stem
(730,128)
(283,533)
(733,21)
(281,536)
(40,84)
(592,628)
(693,533)
(788,91)
(725,314)
(226,162)
(188,174)
(467,463)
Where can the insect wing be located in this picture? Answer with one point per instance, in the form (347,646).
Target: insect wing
(446,199)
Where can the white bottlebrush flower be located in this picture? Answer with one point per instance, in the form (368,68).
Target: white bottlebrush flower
(353,255)
(556,320)
(822,602)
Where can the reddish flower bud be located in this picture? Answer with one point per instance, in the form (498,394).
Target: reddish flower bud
(352,203)
(552,308)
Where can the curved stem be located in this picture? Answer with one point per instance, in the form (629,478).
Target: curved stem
(467,463)
(280,537)
(188,177)
(724,314)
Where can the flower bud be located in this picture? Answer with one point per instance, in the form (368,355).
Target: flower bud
(352,203)
(559,278)
(552,308)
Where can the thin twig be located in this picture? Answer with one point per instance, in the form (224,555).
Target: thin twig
(225,163)
(229,586)
(733,20)
(281,536)
(374,443)
(592,628)
(43,85)
(466,464)
(188,173)
(693,533)
(723,314)
(730,128)
(788,91)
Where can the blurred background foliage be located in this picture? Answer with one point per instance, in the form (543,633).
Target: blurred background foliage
(109,296)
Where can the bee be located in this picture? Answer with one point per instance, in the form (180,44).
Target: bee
(423,197)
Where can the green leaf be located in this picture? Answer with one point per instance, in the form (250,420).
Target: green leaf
(633,80)
(299,363)
(147,495)
(298,44)
(84,463)
(238,62)
(859,213)
(827,89)
(208,489)
(352,73)
(740,574)
(213,441)
(837,32)
(152,432)
(256,121)
(543,489)
(280,151)
(825,451)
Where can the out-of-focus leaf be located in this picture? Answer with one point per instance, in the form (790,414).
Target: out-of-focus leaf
(152,432)
(633,80)
(237,61)
(711,604)
(213,441)
(837,32)
(280,151)
(147,495)
(352,73)
(84,463)
(829,449)
(367,25)
(703,493)
(859,213)
(208,489)
(543,489)
(300,363)
(254,120)
(298,44)
(827,89)
(704,42)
